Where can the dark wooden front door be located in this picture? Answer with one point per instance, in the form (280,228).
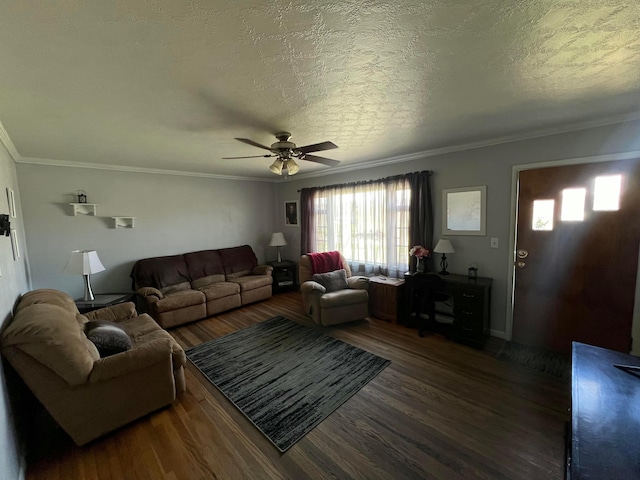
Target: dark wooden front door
(575,278)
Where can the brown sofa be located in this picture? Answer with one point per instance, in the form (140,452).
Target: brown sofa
(182,288)
(88,395)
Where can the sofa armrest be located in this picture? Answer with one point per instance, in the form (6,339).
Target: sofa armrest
(358,282)
(140,357)
(114,313)
(262,270)
(145,292)
(312,287)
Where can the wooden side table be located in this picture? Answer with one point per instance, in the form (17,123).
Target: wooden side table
(385,296)
(285,276)
(103,300)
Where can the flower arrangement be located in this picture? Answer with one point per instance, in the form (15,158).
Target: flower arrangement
(419,251)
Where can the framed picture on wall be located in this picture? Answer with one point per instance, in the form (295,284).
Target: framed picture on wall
(291,218)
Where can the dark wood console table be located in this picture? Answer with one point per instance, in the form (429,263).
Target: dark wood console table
(605,415)
(471,299)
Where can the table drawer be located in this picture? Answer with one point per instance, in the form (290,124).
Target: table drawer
(468,296)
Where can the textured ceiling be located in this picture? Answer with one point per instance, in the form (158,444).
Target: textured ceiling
(169,84)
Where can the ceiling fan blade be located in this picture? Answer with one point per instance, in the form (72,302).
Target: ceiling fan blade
(251,142)
(252,156)
(317,147)
(324,161)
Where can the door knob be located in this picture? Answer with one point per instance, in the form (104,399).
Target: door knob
(520,264)
(523,253)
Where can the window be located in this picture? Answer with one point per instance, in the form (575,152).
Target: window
(368,223)
(573,200)
(542,215)
(606,195)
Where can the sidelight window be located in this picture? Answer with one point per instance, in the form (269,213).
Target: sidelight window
(606,196)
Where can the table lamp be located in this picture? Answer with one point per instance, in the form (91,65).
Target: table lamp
(443,247)
(277,240)
(85,262)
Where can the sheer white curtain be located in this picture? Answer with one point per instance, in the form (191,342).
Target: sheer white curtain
(367,222)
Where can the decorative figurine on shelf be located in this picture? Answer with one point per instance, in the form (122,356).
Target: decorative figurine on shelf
(421,253)
(82,196)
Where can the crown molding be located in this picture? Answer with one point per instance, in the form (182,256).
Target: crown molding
(574,127)
(601,122)
(8,144)
(123,168)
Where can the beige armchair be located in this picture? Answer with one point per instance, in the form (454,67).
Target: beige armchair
(88,395)
(333,307)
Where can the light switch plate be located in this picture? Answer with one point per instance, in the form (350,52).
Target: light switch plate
(494,242)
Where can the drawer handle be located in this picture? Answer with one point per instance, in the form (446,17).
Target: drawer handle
(466,295)
(465,312)
(467,329)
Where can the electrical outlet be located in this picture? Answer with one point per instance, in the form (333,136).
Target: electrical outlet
(494,242)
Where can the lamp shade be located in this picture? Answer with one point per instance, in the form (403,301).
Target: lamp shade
(292,167)
(444,246)
(84,262)
(277,240)
(276,167)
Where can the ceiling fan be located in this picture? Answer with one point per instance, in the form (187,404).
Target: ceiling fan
(286,151)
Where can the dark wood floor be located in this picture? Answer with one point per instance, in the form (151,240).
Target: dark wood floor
(440,410)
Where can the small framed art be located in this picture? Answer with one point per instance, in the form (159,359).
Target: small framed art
(291,218)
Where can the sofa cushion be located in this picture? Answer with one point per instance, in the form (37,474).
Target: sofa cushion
(180,287)
(108,337)
(332,281)
(49,297)
(238,261)
(219,290)
(204,263)
(52,335)
(204,282)
(144,329)
(160,272)
(251,282)
(181,299)
(340,298)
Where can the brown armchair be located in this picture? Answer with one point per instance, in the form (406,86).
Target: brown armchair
(333,307)
(88,395)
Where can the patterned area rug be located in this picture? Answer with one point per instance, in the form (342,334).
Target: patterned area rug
(284,377)
(536,358)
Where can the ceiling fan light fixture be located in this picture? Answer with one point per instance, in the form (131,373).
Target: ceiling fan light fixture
(292,167)
(277,167)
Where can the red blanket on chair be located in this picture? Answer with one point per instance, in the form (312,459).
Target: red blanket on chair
(325,262)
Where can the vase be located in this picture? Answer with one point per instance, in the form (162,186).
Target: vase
(420,264)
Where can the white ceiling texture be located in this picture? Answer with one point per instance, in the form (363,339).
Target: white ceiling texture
(168,84)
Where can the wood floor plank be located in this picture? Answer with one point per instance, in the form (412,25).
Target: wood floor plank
(440,410)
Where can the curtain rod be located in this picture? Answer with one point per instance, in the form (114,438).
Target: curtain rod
(365,182)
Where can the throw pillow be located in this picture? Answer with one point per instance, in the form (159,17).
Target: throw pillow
(108,337)
(332,281)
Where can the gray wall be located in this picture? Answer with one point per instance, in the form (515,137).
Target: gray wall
(174,214)
(491,166)
(13,283)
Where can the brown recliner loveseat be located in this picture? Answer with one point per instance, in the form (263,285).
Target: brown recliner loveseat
(178,289)
(88,395)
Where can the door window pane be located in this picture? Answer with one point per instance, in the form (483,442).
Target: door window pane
(573,204)
(606,196)
(542,215)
